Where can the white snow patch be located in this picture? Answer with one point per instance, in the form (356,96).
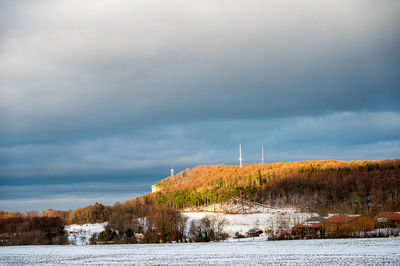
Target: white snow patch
(80,234)
(276,219)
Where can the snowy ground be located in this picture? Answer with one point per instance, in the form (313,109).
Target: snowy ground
(264,218)
(373,251)
(80,234)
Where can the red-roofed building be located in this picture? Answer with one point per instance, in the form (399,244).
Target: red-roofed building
(312,227)
(347,224)
(387,219)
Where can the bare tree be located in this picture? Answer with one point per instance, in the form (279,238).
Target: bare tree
(217,224)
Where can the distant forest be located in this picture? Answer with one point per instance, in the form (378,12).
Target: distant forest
(366,187)
(32,231)
(162,223)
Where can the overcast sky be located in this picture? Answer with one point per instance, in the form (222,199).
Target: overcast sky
(98,99)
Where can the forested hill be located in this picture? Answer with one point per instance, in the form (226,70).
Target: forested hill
(319,186)
(339,186)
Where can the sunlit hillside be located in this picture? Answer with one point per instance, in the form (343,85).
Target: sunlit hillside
(341,186)
(317,186)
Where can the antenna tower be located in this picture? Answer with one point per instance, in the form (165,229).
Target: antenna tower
(262,153)
(240,154)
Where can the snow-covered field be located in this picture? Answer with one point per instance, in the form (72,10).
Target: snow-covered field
(80,234)
(273,218)
(376,251)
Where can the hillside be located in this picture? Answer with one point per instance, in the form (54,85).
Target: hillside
(318,186)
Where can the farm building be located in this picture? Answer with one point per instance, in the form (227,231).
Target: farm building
(387,219)
(339,225)
(254,232)
(310,228)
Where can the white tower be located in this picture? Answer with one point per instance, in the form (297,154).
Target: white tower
(240,154)
(172,171)
(262,153)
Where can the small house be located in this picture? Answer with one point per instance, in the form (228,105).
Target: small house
(341,225)
(312,227)
(387,220)
(254,232)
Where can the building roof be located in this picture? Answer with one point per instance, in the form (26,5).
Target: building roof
(308,225)
(254,230)
(384,216)
(341,218)
(316,219)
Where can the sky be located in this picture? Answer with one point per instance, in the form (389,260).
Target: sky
(99,99)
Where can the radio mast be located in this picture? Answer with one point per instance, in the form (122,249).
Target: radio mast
(240,154)
(262,153)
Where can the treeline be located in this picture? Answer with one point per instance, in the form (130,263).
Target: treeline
(136,221)
(90,214)
(154,224)
(32,231)
(164,227)
(125,220)
(317,186)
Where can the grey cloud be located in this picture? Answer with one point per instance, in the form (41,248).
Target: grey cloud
(67,196)
(337,136)
(63,202)
(133,64)
(44,190)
